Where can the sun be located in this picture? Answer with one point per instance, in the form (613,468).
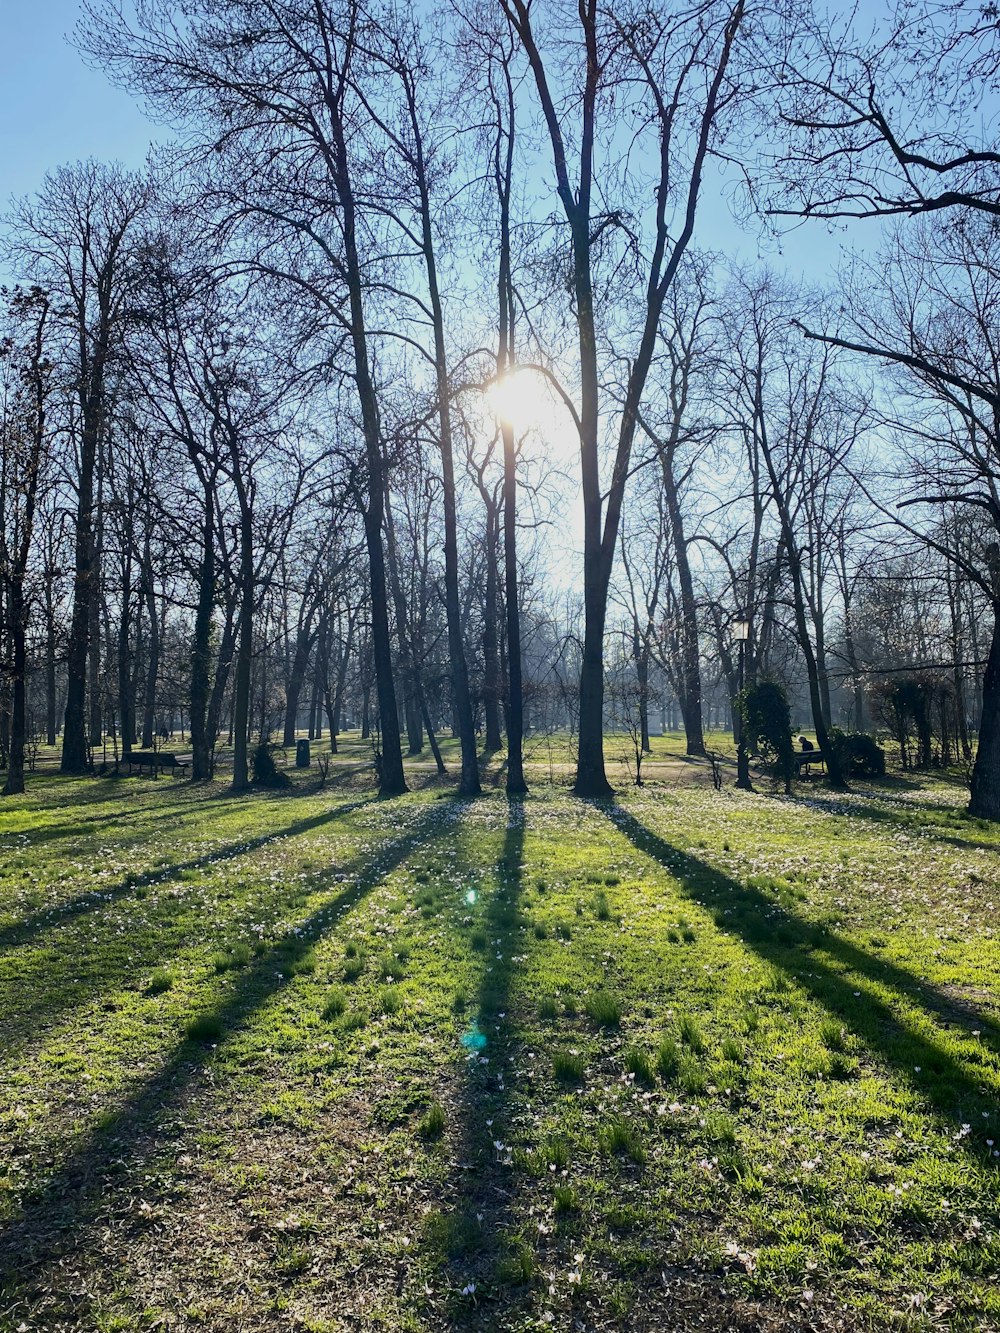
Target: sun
(526,400)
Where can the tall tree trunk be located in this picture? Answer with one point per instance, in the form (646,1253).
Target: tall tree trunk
(690,642)
(153,662)
(407,648)
(491,656)
(244,655)
(392,781)
(504,175)
(50,666)
(296,679)
(461,696)
(201,649)
(96,722)
(642,677)
(414,724)
(18,712)
(75,753)
(126,700)
(227,648)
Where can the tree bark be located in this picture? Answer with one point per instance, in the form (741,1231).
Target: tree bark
(985,799)
(201,648)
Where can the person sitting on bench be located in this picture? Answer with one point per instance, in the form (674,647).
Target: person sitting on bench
(806,744)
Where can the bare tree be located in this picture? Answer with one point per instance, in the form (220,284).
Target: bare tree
(25,390)
(74,239)
(667,70)
(938,324)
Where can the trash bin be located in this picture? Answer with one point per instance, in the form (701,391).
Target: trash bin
(301,754)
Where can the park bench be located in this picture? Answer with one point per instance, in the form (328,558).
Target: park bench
(157,763)
(804,758)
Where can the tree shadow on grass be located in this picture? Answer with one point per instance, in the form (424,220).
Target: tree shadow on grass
(913,820)
(476,1235)
(69,974)
(92,1177)
(821,962)
(27,929)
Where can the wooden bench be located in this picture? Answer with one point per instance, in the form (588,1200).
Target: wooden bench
(804,758)
(157,763)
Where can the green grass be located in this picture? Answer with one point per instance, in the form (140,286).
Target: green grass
(309,1058)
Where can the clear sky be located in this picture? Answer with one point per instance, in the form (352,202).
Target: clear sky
(53,109)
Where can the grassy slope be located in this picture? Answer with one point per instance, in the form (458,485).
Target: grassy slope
(697,1060)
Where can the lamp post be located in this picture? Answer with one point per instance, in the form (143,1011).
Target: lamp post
(741,633)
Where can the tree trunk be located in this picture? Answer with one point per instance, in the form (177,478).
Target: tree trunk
(244,662)
(985,800)
(469,781)
(50,669)
(223,666)
(18,719)
(414,726)
(296,679)
(153,665)
(491,665)
(690,645)
(201,650)
(642,676)
(126,700)
(75,753)
(96,721)
(392,781)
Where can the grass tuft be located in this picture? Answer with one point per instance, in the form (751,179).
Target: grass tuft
(205,1028)
(567,1067)
(161,980)
(604,1010)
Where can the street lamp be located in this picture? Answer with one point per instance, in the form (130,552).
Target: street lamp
(741,633)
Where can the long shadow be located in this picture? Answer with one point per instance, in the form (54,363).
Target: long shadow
(880,815)
(59,979)
(42,833)
(483,1210)
(957,1094)
(104,1164)
(21,932)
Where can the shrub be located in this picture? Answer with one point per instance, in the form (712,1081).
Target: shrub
(160,981)
(767,726)
(859,754)
(266,773)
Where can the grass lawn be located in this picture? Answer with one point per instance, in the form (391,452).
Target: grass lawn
(311,1061)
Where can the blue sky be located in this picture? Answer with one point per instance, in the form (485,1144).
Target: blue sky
(53,109)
